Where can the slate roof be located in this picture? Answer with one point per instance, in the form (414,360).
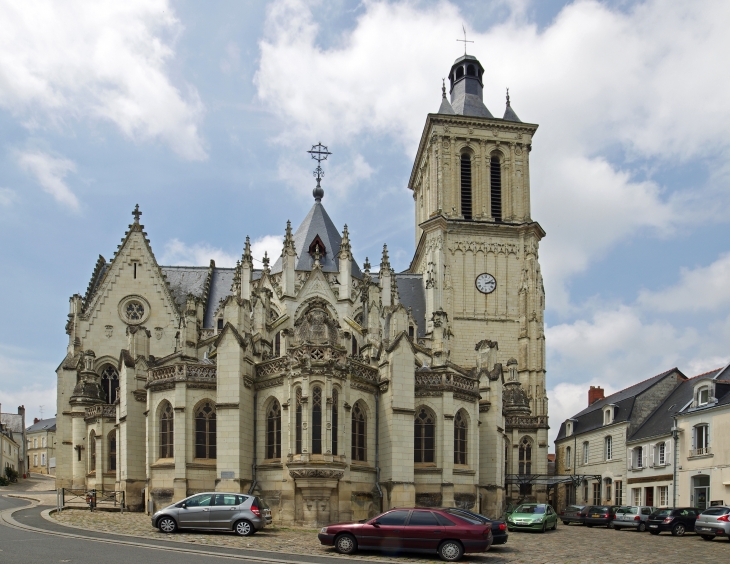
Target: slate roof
(317,224)
(184,280)
(592,417)
(220,289)
(43,425)
(510,115)
(412,294)
(12,422)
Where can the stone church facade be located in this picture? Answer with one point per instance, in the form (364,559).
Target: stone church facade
(330,390)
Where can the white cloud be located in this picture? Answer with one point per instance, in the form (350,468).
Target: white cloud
(99,60)
(179,253)
(639,82)
(340,177)
(271,244)
(7,197)
(50,173)
(703,288)
(200,254)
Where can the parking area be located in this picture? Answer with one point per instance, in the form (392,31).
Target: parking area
(569,544)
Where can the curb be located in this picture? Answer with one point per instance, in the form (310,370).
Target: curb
(7,517)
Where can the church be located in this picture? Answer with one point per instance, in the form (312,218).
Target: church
(332,389)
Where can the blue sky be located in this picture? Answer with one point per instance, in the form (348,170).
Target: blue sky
(202,113)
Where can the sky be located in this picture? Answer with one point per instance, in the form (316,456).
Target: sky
(202,114)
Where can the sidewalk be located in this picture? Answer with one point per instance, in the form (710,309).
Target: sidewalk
(37,486)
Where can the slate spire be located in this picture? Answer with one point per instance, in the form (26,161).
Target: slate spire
(509,113)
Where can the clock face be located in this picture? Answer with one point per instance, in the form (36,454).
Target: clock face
(486,283)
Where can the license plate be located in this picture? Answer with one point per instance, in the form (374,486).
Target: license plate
(595,516)
(702,529)
(653,526)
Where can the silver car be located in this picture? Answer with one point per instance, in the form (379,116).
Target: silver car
(242,514)
(713,522)
(632,517)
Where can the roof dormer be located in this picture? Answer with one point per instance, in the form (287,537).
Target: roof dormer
(570,427)
(609,413)
(703,393)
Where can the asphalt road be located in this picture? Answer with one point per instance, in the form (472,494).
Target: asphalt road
(20,546)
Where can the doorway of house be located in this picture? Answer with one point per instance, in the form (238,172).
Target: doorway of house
(701,487)
(649,496)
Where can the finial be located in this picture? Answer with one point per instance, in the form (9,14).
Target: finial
(507,97)
(136,213)
(247,258)
(319,153)
(265,260)
(443,88)
(317,255)
(288,238)
(345,243)
(366,266)
(385,260)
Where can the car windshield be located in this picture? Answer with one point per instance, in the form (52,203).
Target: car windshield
(628,510)
(662,513)
(530,509)
(716,511)
(575,507)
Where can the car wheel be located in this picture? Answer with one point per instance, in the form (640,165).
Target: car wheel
(706,537)
(589,526)
(654,532)
(167,525)
(678,530)
(642,527)
(244,528)
(346,544)
(451,551)
(555,525)
(544,527)
(566,522)
(610,525)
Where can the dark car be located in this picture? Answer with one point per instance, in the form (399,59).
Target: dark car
(600,515)
(416,530)
(573,514)
(677,520)
(499,528)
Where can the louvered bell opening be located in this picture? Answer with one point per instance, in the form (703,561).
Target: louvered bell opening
(466,186)
(496,188)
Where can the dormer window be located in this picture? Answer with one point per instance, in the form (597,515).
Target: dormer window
(608,414)
(568,428)
(317,247)
(703,395)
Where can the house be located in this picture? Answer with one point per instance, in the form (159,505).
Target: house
(15,423)
(41,446)
(591,447)
(703,442)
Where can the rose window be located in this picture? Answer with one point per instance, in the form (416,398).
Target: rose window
(134,311)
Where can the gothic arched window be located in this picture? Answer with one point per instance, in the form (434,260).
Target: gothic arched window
(317,420)
(205,430)
(466,206)
(298,443)
(424,437)
(359,434)
(525,457)
(92,451)
(167,430)
(335,421)
(112,451)
(495,179)
(110,383)
(460,429)
(273,431)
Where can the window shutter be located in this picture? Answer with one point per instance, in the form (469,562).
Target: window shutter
(644,460)
(694,438)
(651,454)
(707,440)
(630,458)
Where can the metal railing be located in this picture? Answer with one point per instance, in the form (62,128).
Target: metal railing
(700,451)
(75,498)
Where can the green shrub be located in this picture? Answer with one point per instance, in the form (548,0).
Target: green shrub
(3,481)
(12,475)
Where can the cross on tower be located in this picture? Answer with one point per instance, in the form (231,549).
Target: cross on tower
(319,153)
(464,41)
(136,213)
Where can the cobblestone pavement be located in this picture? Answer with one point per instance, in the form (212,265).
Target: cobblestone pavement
(568,545)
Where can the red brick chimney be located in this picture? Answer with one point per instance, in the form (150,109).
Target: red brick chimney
(35,420)
(595,394)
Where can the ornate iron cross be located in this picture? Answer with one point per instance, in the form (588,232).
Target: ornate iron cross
(319,153)
(464,41)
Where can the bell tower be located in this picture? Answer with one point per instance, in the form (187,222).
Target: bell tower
(476,243)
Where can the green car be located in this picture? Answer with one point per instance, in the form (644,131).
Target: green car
(532,517)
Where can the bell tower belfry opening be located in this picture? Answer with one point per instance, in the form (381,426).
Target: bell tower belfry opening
(477,246)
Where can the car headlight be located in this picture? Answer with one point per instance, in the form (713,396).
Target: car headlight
(323,530)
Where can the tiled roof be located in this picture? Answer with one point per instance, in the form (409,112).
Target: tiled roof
(43,425)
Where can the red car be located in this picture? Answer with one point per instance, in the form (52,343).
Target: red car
(448,531)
